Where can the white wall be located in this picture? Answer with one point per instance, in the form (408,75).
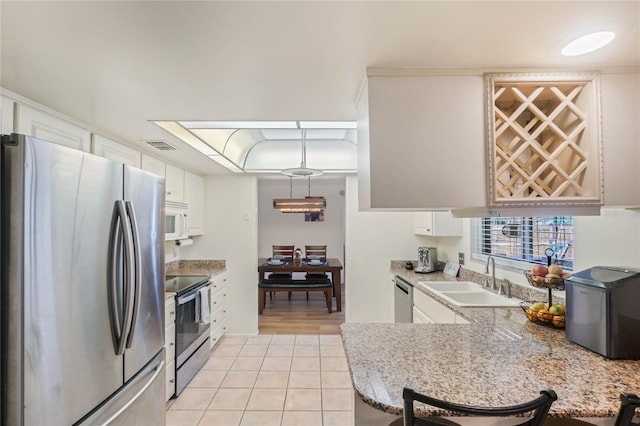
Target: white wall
(372,240)
(231,233)
(275,227)
(612,239)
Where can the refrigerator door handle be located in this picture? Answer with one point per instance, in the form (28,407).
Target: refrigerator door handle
(137,270)
(113,276)
(129,269)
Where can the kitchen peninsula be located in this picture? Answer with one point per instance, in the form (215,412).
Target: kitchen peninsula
(499,358)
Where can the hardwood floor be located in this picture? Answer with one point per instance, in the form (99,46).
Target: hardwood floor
(299,315)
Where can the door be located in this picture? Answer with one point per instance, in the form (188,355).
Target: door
(144,195)
(60,218)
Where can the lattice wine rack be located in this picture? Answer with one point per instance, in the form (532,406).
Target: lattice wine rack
(544,139)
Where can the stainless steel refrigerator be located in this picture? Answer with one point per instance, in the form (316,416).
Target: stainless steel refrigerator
(82,293)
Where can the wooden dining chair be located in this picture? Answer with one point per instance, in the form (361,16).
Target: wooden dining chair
(285,251)
(315,250)
(539,407)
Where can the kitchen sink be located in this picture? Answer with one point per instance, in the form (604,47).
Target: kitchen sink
(478,298)
(438,286)
(468,294)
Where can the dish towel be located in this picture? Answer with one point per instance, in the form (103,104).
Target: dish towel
(205,312)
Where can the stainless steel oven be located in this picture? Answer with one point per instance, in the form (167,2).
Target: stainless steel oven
(193,324)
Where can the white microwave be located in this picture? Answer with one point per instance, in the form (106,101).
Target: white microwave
(176,223)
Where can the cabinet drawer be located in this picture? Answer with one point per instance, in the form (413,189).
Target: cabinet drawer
(217,299)
(439,313)
(169,311)
(170,342)
(419,317)
(218,283)
(218,315)
(217,332)
(170,380)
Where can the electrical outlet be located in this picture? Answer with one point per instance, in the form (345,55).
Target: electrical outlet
(461,258)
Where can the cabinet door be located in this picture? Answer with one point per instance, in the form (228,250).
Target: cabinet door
(423,223)
(153,165)
(113,150)
(44,126)
(437,224)
(194,196)
(174,183)
(421,142)
(6,115)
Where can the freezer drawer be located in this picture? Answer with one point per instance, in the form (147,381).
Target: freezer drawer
(140,402)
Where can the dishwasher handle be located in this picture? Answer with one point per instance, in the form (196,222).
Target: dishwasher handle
(402,288)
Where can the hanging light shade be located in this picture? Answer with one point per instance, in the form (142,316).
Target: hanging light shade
(300,205)
(308,204)
(303,170)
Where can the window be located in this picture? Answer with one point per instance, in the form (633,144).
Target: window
(521,240)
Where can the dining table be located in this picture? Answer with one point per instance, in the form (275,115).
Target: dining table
(330,264)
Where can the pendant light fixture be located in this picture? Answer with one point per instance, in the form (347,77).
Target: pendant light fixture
(303,170)
(300,205)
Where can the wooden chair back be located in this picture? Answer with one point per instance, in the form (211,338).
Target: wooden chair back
(539,406)
(315,251)
(280,250)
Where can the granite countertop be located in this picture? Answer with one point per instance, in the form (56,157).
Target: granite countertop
(500,358)
(195,267)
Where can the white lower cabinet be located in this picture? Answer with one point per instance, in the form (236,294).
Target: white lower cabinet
(170,346)
(427,310)
(218,308)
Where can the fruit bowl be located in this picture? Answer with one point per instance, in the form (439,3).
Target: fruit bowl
(542,316)
(545,282)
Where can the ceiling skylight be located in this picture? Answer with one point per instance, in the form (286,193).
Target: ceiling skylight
(588,43)
(271,146)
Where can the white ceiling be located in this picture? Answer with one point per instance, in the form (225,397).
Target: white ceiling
(119,65)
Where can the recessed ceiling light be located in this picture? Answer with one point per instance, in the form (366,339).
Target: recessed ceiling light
(588,43)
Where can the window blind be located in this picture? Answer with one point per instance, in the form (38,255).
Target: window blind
(524,239)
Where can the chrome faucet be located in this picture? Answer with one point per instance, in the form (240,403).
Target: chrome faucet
(501,287)
(493,286)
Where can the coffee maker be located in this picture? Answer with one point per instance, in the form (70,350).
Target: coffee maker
(427,260)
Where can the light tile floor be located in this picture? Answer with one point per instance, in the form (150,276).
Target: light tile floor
(280,380)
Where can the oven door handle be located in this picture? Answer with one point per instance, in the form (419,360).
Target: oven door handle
(188,298)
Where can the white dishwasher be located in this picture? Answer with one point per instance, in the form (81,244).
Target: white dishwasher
(403,300)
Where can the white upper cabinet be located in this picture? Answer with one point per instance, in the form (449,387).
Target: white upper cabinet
(174,183)
(421,142)
(41,125)
(436,224)
(153,165)
(621,138)
(194,196)
(6,115)
(113,150)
